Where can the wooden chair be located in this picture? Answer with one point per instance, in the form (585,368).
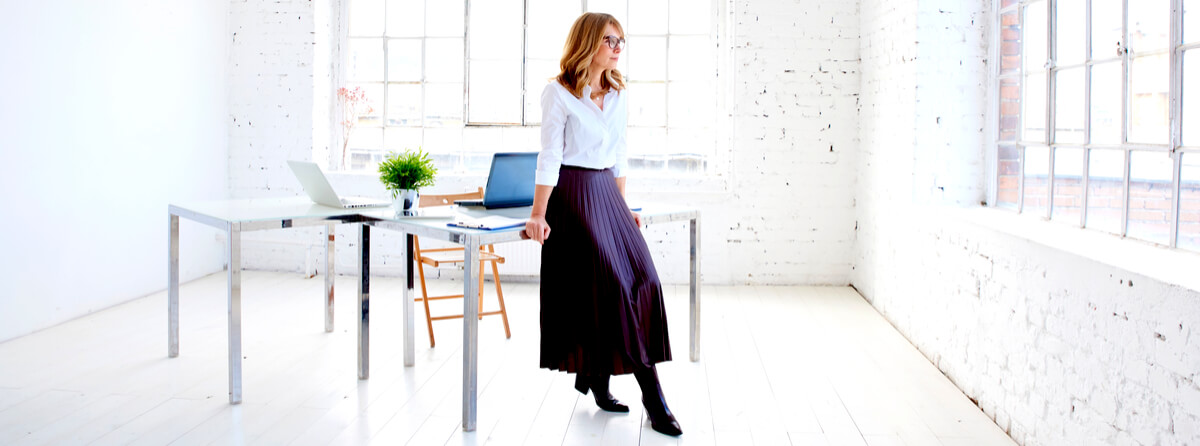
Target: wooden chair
(440,256)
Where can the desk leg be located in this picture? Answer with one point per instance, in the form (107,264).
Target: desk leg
(694,291)
(470,331)
(364,299)
(234,249)
(329,275)
(172,285)
(409,349)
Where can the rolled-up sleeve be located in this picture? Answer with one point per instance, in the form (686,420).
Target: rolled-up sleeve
(622,149)
(554,124)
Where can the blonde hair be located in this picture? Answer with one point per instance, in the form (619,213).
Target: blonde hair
(583,41)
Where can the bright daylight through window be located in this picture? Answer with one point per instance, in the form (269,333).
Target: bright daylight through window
(1098,115)
(463,82)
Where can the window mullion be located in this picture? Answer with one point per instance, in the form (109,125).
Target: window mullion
(1087,109)
(524,56)
(1125,90)
(1051,76)
(1175,91)
(466,63)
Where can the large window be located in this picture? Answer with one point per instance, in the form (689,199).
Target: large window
(463,79)
(1099,115)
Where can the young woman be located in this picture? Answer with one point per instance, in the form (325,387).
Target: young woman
(602,308)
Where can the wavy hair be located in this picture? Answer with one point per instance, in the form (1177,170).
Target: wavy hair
(583,41)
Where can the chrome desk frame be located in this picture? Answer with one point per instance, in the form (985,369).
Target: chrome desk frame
(264,219)
(471,241)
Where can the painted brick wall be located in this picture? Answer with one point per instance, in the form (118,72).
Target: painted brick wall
(1056,348)
(779,208)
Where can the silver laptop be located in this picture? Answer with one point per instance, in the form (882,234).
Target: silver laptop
(321,192)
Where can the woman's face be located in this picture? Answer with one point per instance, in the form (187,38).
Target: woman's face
(606,58)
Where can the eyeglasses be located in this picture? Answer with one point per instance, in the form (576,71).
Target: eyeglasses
(614,42)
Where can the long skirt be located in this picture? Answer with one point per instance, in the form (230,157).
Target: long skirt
(602,307)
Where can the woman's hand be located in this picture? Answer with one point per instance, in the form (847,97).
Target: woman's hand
(537,229)
(637,218)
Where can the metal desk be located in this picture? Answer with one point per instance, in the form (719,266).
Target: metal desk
(235,216)
(471,240)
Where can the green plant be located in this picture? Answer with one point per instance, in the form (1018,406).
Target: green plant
(408,170)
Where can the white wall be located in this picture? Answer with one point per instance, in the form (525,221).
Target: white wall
(109,111)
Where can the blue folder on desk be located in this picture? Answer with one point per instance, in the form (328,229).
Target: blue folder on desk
(490,223)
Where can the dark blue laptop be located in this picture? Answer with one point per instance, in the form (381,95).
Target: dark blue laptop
(510,182)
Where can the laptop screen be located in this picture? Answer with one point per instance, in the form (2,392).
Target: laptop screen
(510,182)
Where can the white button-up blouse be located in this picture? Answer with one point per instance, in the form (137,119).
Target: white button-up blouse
(576,132)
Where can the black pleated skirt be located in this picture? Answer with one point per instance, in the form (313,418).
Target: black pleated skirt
(602,306)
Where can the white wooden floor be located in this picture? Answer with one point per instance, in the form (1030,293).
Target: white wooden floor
(780,365)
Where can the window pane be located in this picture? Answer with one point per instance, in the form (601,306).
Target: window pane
(1035,36)
(1106,28)
(1191,21)
(686,150)
(538,74)
(495,92)
(1035,108)
(646,140)
(549,22)
(1150,196)
(614,7)
(363,142)
(1010,42)
(444,60)
(647,17)
(365,60)
(442,140)
(648,61)
(372,115)
(1068,185)
(399,139)
(1068,106)
(690,105)
(404,60)
(646,104)
(443,105)
(366,18)
(1010,103)
(690,58)
(691,17)
(405,18)
(1037,174)
(1149,25)
(1148,81)
(1191,98)
(1189,203)
(1106,103)
(404,104)
(497,30)
(1069,32)
(444,18)
(1008,169)
(1105,172)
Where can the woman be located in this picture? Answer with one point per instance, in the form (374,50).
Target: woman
(602,309)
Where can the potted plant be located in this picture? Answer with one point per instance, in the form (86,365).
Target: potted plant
(405,174)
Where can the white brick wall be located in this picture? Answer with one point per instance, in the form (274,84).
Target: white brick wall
(779,210)
(1057,348)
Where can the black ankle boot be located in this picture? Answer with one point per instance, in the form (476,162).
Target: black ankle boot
(660,416)
(599,387)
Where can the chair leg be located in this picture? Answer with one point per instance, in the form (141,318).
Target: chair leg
(499,294)
(424,291)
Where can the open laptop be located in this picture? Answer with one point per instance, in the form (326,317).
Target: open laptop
(510,182)
(321,192)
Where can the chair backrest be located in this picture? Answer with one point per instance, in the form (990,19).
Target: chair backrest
(448,199)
